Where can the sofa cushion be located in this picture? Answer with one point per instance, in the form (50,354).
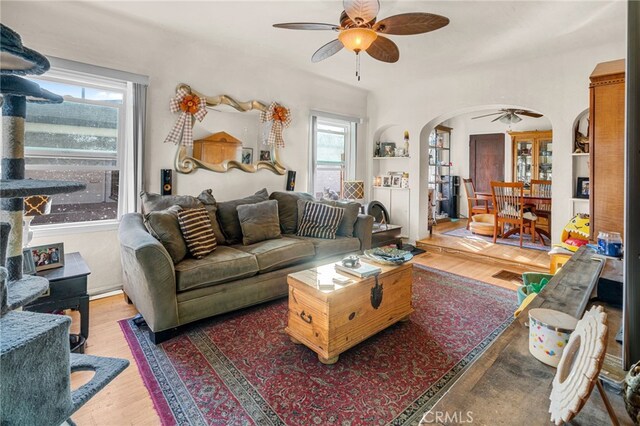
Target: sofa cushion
(276,254)
(163,226)
(197,232)
(154,202)
(319,220)
(288,209)
(223,265)
(259,222)
(326,248)
(210,203)
(347,224)
(228,215)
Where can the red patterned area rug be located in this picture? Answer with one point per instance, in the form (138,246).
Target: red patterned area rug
(241,368)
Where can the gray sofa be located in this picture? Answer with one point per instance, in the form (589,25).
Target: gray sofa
(233,276)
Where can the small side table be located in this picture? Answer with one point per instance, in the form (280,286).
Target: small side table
(384,235)
(67,290)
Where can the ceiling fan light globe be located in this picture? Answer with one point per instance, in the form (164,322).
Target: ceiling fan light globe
(515,119)
(357,39)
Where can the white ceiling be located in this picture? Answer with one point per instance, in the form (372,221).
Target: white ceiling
(480,32)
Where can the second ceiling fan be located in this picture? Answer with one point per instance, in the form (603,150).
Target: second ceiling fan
(510,115)
(359,30)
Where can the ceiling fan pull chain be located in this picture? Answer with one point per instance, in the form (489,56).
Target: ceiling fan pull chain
(358,66)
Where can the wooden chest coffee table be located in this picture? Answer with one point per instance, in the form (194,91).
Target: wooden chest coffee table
(330,318)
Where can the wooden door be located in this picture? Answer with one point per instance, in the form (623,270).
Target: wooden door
(486,160)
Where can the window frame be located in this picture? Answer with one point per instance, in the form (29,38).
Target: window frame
(89,76)
(350,125)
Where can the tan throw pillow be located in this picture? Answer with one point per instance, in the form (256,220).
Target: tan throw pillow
(163,226)
(197,231)
(319,220)
(259,222)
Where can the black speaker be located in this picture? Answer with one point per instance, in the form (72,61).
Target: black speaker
(291,180)
(166,182)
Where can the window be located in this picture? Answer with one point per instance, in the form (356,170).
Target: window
(334,153)
(88,139)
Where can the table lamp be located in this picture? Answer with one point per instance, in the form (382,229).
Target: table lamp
(35,205)
(353,190)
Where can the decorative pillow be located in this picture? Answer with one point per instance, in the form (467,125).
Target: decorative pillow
(164,226)
(259,222)
(347,224)
(154,202)
(288,209)
(319,220)
(197,231)
(228,215)
(211,205)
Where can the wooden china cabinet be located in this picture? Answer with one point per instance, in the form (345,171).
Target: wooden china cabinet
(606,156)
(532,153)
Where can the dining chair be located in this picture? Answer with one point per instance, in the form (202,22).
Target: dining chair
(508,207)
(474,203)
(542,208)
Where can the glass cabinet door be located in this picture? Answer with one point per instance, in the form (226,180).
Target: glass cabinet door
(544,159)
(524,162)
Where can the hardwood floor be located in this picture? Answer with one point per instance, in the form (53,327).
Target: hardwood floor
(533,260)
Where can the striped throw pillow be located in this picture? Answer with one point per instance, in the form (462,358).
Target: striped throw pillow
(320,220)
(197,231)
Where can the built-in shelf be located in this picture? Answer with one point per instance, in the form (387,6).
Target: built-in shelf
(580,154)
(391,158)
(586,200)
(439,165)
(390,187)
(439,147)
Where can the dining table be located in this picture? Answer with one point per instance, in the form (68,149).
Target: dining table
(531,198)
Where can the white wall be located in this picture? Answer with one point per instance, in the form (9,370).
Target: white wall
(79,32)
(557,85)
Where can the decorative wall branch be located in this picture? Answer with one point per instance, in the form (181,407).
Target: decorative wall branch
(187,164)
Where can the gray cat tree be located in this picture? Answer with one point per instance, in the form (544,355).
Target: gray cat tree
(35,360)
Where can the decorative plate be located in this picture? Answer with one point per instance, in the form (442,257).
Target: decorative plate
(388,255)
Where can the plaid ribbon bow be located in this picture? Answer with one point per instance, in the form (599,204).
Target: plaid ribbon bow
(280,118)
(191,106)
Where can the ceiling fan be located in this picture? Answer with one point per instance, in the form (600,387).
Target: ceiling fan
(510,115)
(359,30)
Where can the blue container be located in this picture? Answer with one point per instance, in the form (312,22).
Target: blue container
(610,244)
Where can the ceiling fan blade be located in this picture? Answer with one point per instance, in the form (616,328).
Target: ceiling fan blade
(487,115)
(529,113)
(411,23)
(307,26)
(361,11)
(327,50)
(384,50)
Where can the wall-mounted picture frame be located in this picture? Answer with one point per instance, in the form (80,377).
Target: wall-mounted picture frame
(247,156)
(396,181)
(265,155)
(387,149)
(48,256)
(386,181)
(582,187)
(28,265)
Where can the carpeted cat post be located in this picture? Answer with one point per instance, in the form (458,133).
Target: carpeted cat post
(35,360)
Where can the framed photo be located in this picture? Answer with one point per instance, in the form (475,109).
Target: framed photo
(247,155)
(396,181)
(582,188)
(48,256)
(387,149)
(386,180)
(28,265)
(265,155)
